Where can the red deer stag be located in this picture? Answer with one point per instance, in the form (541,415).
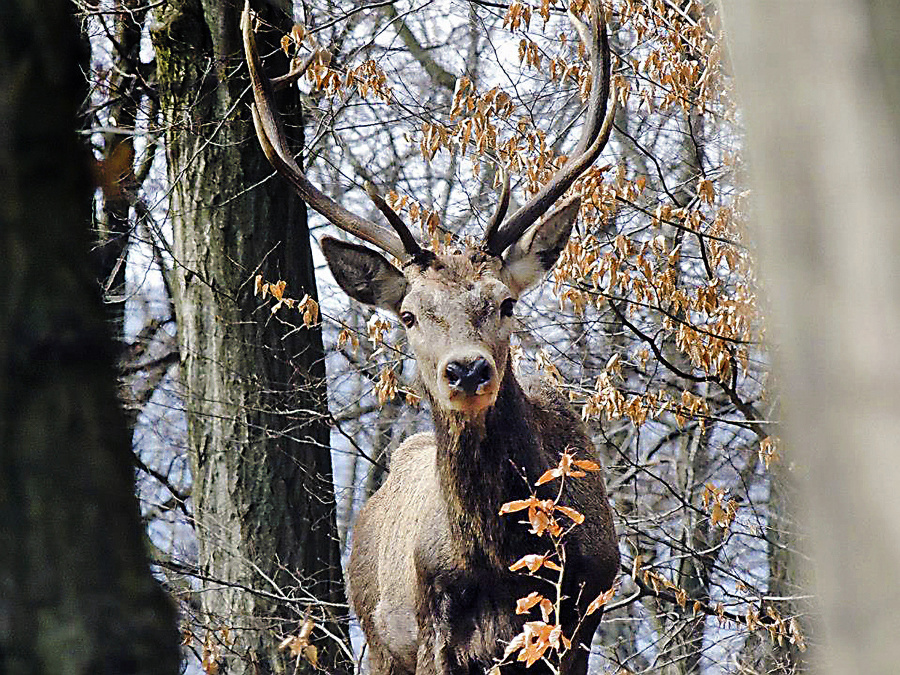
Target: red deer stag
(429,571)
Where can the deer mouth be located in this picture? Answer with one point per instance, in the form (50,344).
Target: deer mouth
(483,398)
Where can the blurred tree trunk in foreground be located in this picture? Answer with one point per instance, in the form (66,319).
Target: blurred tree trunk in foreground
(76,593)
(821,85)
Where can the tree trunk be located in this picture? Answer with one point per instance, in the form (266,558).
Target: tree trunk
(821,85)
(76,592)
(254,389)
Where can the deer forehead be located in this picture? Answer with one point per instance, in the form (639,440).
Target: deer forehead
(460,268)
(458,292)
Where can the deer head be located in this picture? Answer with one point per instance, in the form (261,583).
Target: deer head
(456,306)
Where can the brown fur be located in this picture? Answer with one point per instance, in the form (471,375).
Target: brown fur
(428,573)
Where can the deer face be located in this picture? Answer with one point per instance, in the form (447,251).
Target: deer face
(458,317)
(457,307)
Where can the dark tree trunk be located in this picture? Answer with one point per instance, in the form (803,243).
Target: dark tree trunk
(76,592)
(254,391)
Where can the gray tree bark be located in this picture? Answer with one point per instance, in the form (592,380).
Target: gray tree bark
(821,84)
(254,390)
(76,592)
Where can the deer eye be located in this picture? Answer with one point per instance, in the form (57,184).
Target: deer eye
(507,306)
(408,319)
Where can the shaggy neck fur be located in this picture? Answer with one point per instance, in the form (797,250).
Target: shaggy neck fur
(482,462)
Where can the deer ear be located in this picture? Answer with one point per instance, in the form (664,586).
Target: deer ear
(534,254)
(364,274)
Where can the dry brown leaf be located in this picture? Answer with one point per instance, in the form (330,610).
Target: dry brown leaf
(524,605)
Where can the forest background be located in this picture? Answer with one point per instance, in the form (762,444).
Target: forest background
(260,414)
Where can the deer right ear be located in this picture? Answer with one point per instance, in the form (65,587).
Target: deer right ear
(535,253)
(365,275)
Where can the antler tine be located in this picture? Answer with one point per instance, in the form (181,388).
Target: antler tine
(500,213)
(409,241)
(271,138)
(297,71)
(594,136)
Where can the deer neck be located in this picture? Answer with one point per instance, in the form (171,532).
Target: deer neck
(481,462)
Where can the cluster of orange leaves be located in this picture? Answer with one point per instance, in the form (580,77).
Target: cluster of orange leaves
(768,450)
(608,401)
(658,582)
(306,305)
(300,646)
(346,336)
(525,149)
(210,646)
(365,78)
(426,218)
(779,628)
(547,368)
(386,385)
(518,14)
(684,67)
(387,388)
(477,125)
(711,322)
(721,320)
(722,511)
(540,636)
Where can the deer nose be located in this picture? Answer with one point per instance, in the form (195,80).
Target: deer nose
(468,376)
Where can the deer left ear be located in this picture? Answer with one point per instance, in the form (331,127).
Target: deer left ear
(536,252)
(364,274)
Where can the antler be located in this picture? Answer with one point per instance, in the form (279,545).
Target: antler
(409,241)
(594,136)
(271,138)
(500,212)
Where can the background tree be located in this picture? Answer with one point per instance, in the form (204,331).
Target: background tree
(254,394)
(76,593)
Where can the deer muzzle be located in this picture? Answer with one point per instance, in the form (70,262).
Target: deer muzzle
(471,382)
(471,377)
